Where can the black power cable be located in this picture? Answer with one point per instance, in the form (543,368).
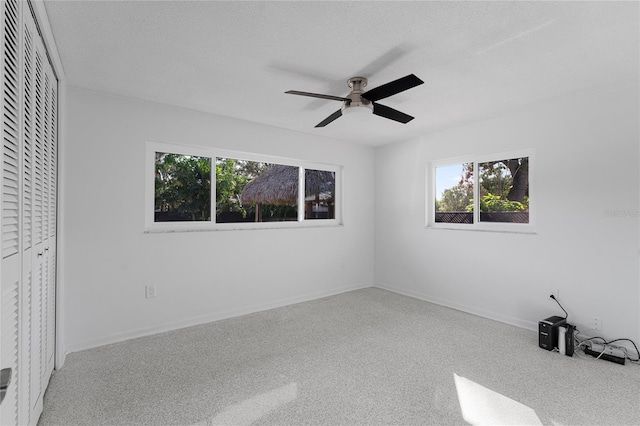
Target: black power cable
(634,345)
(566,315)
(565,312)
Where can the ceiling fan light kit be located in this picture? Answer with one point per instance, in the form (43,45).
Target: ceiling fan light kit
(359,101)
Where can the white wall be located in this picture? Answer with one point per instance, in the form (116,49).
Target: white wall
(200,276)
(586,162)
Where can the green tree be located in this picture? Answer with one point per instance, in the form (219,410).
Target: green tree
(495,203)
(182,187)
(250,169)
(232,176)
(508,179)
(456,198)
(504,185)
(229,184)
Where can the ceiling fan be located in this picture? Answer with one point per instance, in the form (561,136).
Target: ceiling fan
(357,98)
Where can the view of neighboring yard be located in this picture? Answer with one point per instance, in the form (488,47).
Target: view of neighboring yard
(245,191)
(503,192)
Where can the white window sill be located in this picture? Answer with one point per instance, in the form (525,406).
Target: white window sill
(525,230)
(241,227)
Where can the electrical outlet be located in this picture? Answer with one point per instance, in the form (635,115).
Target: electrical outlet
(596,323)
(150,291)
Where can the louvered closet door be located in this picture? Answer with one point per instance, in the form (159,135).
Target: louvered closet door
(43,164)
(50,249)
(41,286)
(28,221)
(47,294)
(28,147)
(11,214)
(37,252)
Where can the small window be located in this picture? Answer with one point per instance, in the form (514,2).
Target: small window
(504,190)
(454,193)
(476,194)
(320,194)
(182,188)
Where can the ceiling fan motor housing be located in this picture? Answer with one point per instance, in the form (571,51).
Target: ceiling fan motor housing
(357,84)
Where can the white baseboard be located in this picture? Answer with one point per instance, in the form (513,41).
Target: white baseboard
(517,322)
(220,315)
(203,319)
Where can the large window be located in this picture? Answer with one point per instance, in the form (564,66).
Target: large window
(484,193)
(246,191)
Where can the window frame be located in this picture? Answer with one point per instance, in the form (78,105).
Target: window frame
(477,225)
(213,153)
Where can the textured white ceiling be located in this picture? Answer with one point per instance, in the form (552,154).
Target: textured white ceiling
(478,59)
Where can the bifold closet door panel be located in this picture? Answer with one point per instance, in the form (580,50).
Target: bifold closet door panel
(28,220)
(10,303)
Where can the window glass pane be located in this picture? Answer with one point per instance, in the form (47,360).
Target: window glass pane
(182,188)
(454,193)
(251,191)
(504,191)
(320,194)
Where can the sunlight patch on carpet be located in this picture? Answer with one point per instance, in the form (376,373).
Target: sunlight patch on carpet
(482,406)
(252,409)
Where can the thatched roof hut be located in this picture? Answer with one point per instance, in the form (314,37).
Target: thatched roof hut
(278,185)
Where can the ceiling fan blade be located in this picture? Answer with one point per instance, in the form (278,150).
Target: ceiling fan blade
(330,118)
(318,95)
(391,114)
(393,87)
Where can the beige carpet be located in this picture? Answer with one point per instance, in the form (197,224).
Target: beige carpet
(368,357)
